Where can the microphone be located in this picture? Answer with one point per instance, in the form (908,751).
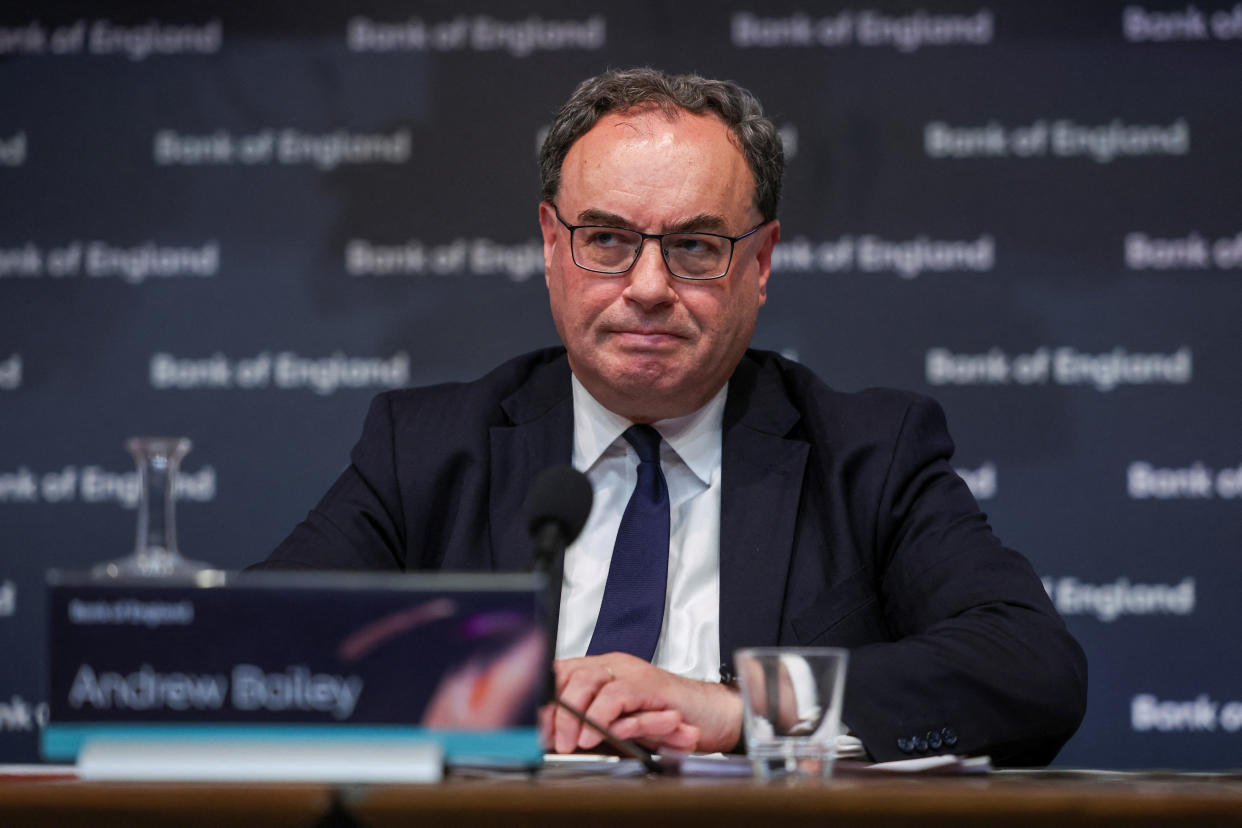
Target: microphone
(560,502)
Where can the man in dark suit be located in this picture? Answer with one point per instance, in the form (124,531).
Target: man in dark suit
(763,507)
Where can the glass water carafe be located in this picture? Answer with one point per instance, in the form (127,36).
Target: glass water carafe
(155,549)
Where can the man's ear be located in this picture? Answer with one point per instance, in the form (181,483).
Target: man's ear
(764,256)
(548,226)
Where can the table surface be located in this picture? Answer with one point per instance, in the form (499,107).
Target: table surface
(1059,798)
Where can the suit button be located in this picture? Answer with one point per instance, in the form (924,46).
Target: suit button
(920,744)
(905,744)
(933,740)
(949,735)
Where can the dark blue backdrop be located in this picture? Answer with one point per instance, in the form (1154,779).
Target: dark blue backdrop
(238,222)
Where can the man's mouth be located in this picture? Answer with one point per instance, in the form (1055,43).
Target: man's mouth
(647,337)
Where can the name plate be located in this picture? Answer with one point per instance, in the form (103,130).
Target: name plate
(461,660)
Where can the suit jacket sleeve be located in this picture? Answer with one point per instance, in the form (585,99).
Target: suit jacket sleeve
(979,659)
(359,522)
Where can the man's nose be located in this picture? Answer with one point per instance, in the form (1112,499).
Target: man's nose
(649,278)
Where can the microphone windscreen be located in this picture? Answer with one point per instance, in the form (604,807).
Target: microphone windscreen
(561,495)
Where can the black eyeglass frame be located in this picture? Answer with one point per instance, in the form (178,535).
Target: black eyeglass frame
(659,237)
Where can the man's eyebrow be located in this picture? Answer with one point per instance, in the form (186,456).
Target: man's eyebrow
(593,216)
(704,222)
(707,222)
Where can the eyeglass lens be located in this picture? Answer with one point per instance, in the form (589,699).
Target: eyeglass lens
(689,255)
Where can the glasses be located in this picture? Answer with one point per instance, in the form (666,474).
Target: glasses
(603,249)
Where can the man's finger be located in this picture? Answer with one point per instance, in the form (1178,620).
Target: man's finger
(583,681)
(613,701)
(684,738)
(651,724)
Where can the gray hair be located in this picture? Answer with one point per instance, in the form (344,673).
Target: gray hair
(618,90)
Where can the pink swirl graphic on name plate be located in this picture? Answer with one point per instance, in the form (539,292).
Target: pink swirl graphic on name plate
(361,643)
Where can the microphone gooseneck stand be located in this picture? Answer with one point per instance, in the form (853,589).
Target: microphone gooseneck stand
(559,505)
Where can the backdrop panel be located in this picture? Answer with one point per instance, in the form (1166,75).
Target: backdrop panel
(238,222)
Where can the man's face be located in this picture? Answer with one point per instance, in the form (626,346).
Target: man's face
(646,344)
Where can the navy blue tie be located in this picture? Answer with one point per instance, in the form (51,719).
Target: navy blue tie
(633,607)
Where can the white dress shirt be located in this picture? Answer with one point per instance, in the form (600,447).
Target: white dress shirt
(690,455)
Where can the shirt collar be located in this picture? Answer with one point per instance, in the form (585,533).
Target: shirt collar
(695,437)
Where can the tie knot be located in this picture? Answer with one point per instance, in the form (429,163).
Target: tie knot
(646,441)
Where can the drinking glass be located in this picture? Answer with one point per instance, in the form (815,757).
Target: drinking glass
(791,707)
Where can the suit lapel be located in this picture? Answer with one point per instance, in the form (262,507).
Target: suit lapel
(762,472)
(539,435)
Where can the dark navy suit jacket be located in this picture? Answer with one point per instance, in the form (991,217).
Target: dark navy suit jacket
(842,523)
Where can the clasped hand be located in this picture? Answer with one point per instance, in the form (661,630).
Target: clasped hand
(640,702)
